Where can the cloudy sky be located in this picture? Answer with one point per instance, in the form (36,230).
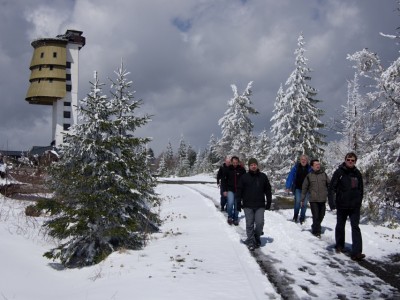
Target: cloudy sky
(184,55)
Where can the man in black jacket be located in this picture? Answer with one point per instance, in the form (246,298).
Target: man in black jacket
(348,185)
(229,183)
(221,172)
(252,190)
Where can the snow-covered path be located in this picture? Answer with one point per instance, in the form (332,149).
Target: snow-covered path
(217,265)
(307,266)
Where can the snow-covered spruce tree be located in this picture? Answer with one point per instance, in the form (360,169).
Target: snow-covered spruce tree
(183,164)
(212,152)
(236,126)
(381,165)
(169,159)
(103,189)
(207,160)
(296,120)
(206,165)
(261,149)
(162,166)
(191,156)
(196,169)
(355,120)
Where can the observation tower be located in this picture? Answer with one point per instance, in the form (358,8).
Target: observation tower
(54,79)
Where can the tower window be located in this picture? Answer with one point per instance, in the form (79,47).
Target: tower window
(68,77)
(68,66)
(40,68)
(42,55)
(54,54)
(51,67)
(67,103)
(68,87)
(66,126)
(67,114)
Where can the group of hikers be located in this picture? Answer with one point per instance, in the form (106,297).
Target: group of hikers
(251,191)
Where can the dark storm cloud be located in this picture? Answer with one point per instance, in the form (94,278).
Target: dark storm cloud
(184,55)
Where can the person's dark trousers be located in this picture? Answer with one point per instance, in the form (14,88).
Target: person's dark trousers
(341,217)
(318,213)
(223,198)
(254,224)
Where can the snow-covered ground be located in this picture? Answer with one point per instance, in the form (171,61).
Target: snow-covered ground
(197,255)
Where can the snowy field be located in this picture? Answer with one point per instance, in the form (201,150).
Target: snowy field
(197,255)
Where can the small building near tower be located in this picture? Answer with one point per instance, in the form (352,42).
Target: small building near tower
(54,79)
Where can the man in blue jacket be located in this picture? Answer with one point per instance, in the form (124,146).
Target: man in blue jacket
(255,196)
(294,183)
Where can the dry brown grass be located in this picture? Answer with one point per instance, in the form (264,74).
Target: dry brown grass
(31,183)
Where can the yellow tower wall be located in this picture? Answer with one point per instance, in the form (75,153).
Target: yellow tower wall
(48,71)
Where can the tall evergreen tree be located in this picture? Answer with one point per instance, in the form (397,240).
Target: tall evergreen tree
(162,166)
(262,148)
(212,150)
(183,164)
(382,94)
(191,156)
(355,122)
(280,131)
(103,190)
(169,159)
(236,126)
(296,122)
(206,162)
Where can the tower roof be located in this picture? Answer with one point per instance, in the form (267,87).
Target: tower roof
(70,36)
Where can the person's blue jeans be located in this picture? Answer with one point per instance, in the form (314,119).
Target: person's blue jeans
(223,198)
(297,205)
(232,207)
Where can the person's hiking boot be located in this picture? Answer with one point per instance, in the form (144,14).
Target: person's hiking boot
(294,219)
(301,221)
(230,221)
(258,242)
(316,234)
(338,249)
(236,222)
(358,256)
(251,247)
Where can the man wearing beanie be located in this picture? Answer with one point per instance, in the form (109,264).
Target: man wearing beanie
(254,196)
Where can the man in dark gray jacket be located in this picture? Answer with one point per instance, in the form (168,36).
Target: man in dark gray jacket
(255,196)
(316,184)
